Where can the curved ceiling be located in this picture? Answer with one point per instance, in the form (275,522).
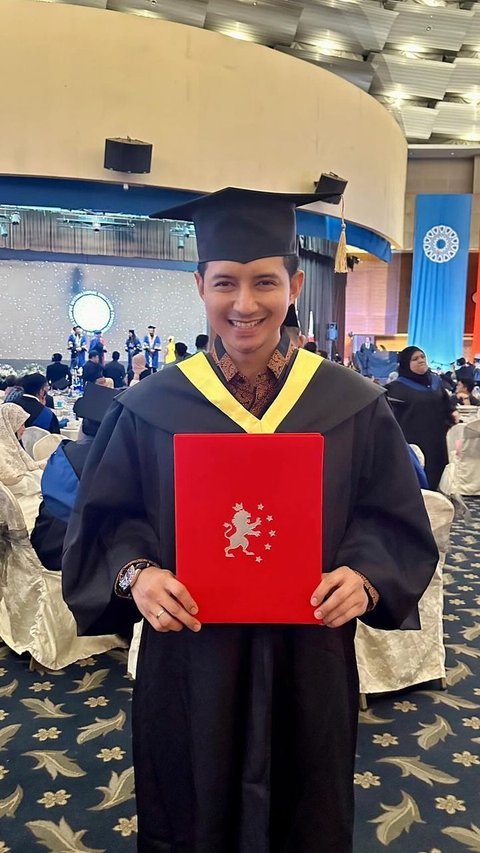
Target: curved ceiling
(419,58)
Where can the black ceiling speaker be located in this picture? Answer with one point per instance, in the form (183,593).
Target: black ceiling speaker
(128,155)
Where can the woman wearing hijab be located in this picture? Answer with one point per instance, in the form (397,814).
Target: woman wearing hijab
(18,471)
(422,408)
(139,369)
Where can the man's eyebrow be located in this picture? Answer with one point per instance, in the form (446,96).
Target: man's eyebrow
(258,276)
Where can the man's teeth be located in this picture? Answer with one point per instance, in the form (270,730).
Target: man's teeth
(244,324)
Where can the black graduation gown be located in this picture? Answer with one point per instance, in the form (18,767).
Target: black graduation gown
(424,417)
(244,735)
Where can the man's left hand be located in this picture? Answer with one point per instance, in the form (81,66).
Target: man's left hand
(339,597)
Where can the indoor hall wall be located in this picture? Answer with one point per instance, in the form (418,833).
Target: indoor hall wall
(219,112)
(36,295)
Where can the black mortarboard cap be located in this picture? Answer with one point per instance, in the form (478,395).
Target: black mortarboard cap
(243,225)
(95,402)
(291,320)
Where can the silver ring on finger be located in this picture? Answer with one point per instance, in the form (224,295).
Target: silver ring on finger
(160,613)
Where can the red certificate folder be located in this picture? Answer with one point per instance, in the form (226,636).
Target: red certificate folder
(249,524)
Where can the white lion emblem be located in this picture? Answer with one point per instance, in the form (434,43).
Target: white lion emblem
(238,531)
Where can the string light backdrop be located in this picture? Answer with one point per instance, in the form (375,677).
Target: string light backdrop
(36,297)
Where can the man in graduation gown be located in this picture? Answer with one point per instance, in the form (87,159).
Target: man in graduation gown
(244,735)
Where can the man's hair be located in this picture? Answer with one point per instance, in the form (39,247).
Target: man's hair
(201,341)
(11,381)
(290,262)
(468,383)
(115,355)
(57,356)
(93,354)
(461,361)
(76,327)
(33,383)
(131,331)
(310,346)
(180,348)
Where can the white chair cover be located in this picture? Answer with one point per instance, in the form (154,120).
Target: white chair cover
(462,474)
(45,446)
(33,615)
(392,660)
(31,436)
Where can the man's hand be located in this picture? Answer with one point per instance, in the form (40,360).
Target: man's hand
(164,601)
(339,597)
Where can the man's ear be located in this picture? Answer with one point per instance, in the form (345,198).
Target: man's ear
(200,285)
(296,284)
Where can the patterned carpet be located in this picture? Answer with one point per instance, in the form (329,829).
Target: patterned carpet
(66,780)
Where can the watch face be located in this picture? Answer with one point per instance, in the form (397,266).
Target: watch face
(125,582)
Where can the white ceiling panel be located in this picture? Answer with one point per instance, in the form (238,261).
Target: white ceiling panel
(430,27)
(472,36)
(412,77)
(190,12)
(465,78)
(351,25)
(416,122)
(266,22)
(458,120)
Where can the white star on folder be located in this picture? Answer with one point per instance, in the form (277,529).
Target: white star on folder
(272,532)
(269,517)
(268,547)
(258,559)
(260,506)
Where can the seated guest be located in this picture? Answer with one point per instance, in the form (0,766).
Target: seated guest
(464,370)
(114,370)
(201,343)
(62,476)
(92,370)
(33,400)
(181,352)
(310,346)
(292,326)
(463,393)
(58,374)
(18,472)
(139,369)
(13,389)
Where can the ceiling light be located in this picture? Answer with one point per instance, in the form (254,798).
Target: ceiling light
(473,98)
(328,46)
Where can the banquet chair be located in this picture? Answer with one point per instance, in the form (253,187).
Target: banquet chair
(45,446)
(462,474)
(33,615)
(31,436)
(392,660)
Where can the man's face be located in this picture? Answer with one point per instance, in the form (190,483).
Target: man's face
(461,388)
(42,395)
(95,358)
(246,303)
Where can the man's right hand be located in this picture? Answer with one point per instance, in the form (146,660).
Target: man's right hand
(164,601)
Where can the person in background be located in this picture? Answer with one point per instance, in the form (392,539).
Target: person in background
(33,400)
(464,370)
(201,343)
(292,326)
(62,475)
(18,472)
(57,372)
(93,369)
(97,344)
(133,346)
(181,352)
(423,409)
(151,347)
(463,394)
(77,347)
(13,389)
(170,350)
(114,370)
(139,369)
(476,370)
(323,353)
(311,346)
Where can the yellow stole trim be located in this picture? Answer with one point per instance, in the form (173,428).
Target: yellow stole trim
(202,375)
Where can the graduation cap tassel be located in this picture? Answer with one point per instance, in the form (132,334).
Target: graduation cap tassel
(341,253)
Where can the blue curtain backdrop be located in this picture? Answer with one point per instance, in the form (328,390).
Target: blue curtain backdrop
(439,278)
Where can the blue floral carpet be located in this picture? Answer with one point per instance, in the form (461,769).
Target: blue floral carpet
(66,779)
(417,783)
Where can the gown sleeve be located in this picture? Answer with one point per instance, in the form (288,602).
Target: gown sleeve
(107,529)
(389,538)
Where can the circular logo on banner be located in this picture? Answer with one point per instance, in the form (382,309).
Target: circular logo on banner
(91,310)
(441,244)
